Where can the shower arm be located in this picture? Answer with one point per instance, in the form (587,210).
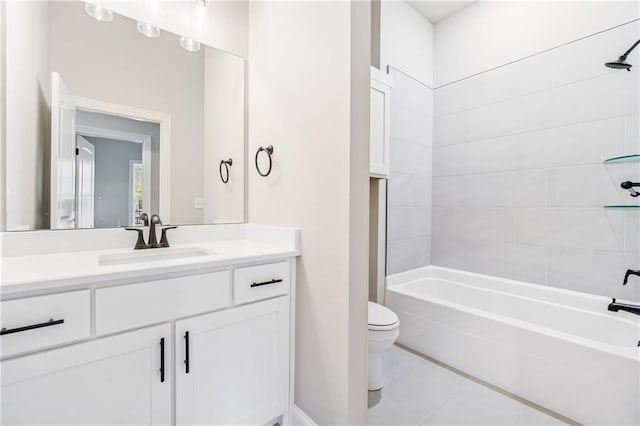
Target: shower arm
(624,55)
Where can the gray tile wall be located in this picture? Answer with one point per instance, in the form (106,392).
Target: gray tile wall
(518,179)
(409,186)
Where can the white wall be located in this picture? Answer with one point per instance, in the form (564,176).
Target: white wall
(27,112)
(519,184)
(3,106)
(309,85)
(222,24)
(406,41)
(488,34)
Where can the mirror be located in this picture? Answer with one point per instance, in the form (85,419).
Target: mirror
(108,118)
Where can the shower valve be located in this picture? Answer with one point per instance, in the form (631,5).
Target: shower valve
(629,186)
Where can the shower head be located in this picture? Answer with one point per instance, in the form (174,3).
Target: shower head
(621,63)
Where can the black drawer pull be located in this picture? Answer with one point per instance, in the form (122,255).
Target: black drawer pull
(162,360)
(30,327)
(266,283)
(186,352)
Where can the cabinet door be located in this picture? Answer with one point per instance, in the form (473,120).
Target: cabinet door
(232,367)
(379,129)
(114,380)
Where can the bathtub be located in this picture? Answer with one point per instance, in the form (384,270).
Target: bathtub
(557,348)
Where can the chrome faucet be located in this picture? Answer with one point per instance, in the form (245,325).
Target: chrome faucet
(153,239)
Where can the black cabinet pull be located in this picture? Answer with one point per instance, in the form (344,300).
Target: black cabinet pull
(31,327)
(266,283)
(162,360)
(186,352)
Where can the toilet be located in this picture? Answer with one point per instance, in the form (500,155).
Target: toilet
(384,328)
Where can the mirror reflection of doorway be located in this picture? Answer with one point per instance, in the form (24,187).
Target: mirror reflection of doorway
(112,189)
(107,170)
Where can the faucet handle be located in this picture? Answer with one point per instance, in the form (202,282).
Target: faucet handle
(628,274)
(140,244)
(164,242)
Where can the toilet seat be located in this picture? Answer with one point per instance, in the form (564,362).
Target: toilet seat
(382,318)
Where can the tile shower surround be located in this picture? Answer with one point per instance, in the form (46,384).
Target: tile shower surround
(410,177)
(518,182)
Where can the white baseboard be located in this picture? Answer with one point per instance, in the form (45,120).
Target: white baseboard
(300,418)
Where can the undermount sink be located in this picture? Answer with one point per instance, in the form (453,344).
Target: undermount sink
(152,255)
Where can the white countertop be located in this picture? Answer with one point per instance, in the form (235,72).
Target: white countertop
(69,269)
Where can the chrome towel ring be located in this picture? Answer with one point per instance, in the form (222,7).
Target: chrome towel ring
(269,151)
(226,163)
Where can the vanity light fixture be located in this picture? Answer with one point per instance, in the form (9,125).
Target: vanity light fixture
(98,13)
(148,30)
(189,44)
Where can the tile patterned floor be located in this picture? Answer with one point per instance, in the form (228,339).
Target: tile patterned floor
(420,392)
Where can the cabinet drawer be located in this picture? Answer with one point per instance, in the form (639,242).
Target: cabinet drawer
(129,306)
(260,282)
(37,322)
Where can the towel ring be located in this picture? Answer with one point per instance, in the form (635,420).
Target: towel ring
(269,151)
(226,163)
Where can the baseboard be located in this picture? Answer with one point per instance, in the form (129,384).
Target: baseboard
(300,418)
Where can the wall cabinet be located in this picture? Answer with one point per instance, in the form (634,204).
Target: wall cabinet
(379,121)
(114,380)
(232,366)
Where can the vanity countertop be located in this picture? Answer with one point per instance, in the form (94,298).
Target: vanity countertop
(73,269)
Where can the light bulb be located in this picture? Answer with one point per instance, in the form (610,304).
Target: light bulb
(148,30)
(98,12)
(189,44)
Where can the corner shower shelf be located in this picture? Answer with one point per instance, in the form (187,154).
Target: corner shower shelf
(623,159)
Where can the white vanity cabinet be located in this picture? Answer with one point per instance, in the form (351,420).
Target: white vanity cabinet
(226,331)
(122,379)
(379,136)
(232,366)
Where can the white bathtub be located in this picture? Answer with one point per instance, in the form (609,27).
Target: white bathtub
(557,348)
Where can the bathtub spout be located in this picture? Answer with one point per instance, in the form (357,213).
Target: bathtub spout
(615,307)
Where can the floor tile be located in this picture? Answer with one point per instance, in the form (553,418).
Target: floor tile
(531,416)
(417,391)
(388,411)
(398,362)
(474,404)
(413,395)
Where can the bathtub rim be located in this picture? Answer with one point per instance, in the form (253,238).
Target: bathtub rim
(632,353)
(403,278)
